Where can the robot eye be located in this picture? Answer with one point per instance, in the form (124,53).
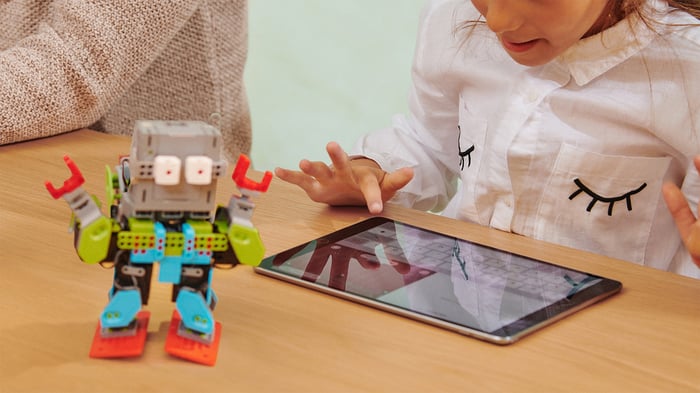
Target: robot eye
(198,170)
(166,170)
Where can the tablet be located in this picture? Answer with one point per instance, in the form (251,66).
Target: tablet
(448,282)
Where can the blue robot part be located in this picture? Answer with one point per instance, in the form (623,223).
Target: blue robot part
(194,311)
(121,309)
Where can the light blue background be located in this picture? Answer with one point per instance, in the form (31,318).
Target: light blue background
(322,70)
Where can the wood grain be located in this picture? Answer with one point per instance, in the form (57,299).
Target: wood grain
(280,337)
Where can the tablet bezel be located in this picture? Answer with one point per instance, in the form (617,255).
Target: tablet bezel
(507,334)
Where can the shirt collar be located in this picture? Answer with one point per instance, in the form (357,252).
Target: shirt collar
(593,56)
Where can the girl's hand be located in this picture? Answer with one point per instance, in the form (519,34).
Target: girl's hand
(345,182)
(687,222)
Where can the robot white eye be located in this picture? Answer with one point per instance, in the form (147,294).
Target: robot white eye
(166,170)
(198,170)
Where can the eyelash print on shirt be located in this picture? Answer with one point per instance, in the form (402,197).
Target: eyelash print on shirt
(467,153)
(610,201)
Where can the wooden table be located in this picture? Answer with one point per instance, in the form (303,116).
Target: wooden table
(280,337)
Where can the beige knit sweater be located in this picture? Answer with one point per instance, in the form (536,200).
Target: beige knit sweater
(70,64)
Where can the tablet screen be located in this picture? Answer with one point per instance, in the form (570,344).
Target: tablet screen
(450,282)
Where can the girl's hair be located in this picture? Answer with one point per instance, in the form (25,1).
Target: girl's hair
(690,6)
(622,8)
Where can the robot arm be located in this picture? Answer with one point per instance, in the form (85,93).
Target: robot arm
(94,230)
(243,236)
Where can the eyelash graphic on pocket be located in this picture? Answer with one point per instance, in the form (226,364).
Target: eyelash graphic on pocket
(466,153)
(598,198)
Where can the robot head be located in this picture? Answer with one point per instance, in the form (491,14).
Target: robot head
(173,168)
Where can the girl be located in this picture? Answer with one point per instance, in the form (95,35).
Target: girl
(554,119)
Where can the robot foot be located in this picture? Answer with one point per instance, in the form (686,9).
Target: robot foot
(131,329)
(190,345)
(121,343)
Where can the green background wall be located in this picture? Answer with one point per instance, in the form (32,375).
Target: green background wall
(322,70)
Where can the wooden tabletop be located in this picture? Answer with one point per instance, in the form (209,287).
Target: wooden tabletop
(281,337)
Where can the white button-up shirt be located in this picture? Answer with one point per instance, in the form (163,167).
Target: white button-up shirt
(573,152)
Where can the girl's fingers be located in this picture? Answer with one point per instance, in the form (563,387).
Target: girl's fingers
(679,208)
(396,180)
(300,179)
(346,184)
(687,223)
(693,243)
(339,159)
(317,169)
(369,186)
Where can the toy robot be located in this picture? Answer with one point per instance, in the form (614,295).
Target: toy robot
(161,199)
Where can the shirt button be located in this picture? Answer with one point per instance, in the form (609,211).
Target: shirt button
(506,200)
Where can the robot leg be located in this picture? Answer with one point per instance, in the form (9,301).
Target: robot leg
(194,300)
(123,327)
(130,290)
(193,334)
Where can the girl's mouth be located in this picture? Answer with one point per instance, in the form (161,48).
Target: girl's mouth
(518,46)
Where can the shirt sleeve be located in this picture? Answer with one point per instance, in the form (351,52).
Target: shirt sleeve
(426,139)
(82,57)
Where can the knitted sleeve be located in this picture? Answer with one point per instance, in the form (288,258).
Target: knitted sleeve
(64,63)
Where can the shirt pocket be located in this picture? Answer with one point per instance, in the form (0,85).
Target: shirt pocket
(601,203)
